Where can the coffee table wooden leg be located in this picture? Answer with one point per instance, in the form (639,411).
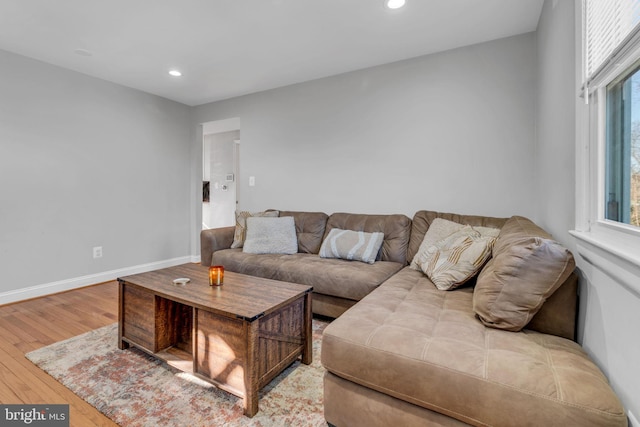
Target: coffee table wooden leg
(307,351)
(122,345)
(251,371)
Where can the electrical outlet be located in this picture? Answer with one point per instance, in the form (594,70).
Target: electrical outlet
(97,252)
(252,181)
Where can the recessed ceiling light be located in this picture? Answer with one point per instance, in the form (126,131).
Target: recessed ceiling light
(175,73)
(394,4)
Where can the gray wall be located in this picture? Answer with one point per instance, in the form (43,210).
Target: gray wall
(609,314)
(84,163)
(452,131)
(555,143)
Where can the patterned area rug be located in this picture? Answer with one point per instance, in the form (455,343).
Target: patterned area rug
(135,389)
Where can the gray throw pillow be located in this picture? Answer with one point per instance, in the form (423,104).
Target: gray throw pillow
(271,236)
(240,233)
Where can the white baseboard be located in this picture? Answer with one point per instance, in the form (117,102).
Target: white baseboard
(92,279)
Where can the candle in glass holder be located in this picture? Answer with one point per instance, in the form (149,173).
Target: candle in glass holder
(216,275)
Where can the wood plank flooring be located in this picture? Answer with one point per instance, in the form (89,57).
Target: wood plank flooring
(28,325)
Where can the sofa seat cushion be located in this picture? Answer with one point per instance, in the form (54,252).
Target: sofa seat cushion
(425,346)
(336,277)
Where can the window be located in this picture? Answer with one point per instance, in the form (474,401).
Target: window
(622,164)
(607,229)
(611,83)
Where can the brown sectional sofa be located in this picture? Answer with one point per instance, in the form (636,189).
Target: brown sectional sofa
(406,353)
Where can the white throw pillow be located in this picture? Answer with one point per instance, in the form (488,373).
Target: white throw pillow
(455,259)
(352,245)
(271,236)
(438,230)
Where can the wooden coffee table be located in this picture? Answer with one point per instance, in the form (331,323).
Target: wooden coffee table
(238,336)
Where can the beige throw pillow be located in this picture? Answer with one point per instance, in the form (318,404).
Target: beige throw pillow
(455,259)
(438,230)
(241,225)
(271,236)
(352,245)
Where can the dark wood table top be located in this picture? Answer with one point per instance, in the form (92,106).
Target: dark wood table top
(241,296)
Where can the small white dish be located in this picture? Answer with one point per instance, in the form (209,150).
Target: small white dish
(181,281)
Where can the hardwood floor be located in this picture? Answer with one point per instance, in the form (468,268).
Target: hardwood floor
(28,325)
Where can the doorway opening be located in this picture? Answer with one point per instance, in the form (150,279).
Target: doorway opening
(220,170)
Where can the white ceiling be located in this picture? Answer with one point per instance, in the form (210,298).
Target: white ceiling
(227,48)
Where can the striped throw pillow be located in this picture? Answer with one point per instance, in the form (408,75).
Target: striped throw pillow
(352,245)
(455,259)
(441,228)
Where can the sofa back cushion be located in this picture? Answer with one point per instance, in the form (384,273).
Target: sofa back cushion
(396,229)
(557,316)
(423,219)
(527,267)
(310,228)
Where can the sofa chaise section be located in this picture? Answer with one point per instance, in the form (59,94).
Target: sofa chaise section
(410,345)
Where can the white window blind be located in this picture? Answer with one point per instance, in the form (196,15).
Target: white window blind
(607,24)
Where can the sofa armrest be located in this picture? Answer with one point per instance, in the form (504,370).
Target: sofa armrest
(214,239)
